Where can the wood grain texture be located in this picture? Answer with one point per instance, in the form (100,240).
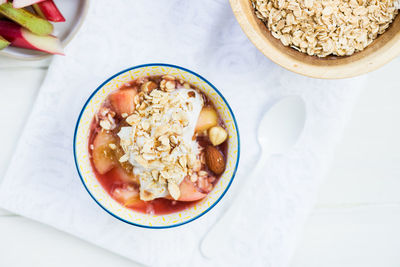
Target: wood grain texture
(382,50)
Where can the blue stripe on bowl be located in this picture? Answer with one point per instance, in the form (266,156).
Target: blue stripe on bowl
(158,65)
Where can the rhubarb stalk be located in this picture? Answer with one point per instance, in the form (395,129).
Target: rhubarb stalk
(48,10)
(20,37)
(24,3)
(26,19)
(3,43)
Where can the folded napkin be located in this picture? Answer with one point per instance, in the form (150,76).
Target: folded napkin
(42,182)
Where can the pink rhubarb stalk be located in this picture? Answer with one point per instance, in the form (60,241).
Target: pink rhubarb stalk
(24,3)
(48,10)
(20,37)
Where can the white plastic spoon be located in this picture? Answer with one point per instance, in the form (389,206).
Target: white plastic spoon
(278,131)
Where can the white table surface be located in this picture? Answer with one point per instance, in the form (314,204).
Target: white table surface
(354,223)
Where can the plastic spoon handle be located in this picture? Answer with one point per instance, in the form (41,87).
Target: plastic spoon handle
(278,131)
(216,237)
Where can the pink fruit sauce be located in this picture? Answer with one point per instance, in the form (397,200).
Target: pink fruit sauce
(119,179)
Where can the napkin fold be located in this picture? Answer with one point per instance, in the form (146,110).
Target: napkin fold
(42,183)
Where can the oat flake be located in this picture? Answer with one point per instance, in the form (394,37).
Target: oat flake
(326,27)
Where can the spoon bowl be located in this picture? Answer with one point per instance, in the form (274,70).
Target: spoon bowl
(281,125)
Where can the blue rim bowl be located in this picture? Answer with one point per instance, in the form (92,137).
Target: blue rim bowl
(94,191)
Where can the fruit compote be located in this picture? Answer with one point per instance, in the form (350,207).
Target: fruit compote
(157,145)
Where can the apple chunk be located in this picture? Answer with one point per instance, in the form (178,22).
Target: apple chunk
(123,175)
(24,3)
(128,196)
(3,43)
(123,101)
(208,118)
(26,19)
(189,192)
(102,155)
(20,37)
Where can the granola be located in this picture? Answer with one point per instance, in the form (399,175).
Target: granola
(158,142)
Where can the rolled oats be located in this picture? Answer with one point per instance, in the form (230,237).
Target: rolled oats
(193,177)
(124,158)
(148,86)
(173,189)
(112,146)
(106,124)
(155,142)
(326,27)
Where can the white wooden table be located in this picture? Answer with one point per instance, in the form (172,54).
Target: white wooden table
(356,221)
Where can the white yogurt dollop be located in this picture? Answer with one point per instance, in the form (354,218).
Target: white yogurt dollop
(188,103)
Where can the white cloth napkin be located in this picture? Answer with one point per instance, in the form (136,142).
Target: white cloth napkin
(42,182)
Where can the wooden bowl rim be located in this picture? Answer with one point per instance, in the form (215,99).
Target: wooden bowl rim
(373,57)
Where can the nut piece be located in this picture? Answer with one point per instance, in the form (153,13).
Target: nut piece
(112,146)
(217,135)
(215,160)
(148,87)
(106,125)
(124,158)
(170,86)
(133,119)
(173,189)
(194,177)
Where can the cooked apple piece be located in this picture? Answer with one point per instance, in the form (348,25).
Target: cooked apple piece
(208,118)
(102,153)
(20,37)
(123,175)
(129,196)
(26,19)
(189,192)
(24,3)
(3,43)
(48,10)
(123,101)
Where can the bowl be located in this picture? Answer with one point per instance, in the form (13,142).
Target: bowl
(74,11)
(379,52)
(94,188)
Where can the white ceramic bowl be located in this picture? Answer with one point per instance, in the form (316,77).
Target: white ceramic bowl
(95,189)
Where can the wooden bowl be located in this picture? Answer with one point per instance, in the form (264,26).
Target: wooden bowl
(379,52)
